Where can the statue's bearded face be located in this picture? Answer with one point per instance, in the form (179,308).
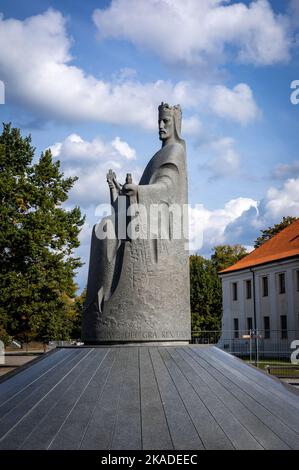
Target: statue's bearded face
(166,126)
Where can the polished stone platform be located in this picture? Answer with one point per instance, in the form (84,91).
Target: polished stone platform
(146,397)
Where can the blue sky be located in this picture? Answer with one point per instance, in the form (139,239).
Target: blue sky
(85,78)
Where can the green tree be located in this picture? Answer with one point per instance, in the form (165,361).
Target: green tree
(205,295)
(37,240)
(77,314)
(227,255)
(271,231)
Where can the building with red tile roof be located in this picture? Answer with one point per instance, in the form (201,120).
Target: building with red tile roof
(261,292)
(284,245)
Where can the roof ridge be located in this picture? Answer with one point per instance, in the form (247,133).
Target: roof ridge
(278,247)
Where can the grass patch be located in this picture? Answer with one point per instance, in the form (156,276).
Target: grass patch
(280,369)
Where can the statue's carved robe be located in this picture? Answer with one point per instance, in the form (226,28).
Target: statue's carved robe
(138,290)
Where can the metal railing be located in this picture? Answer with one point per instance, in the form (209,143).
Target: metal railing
(276,351)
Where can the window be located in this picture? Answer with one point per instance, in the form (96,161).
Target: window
(266,327)
(265,286)
(236,328)
(281,283)
(235,291)
(248,289)
(284,326)
(249,324)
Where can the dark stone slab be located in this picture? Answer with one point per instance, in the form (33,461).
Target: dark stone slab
(22,378)
(72,430)
(264,380)
(211,434)
(280,429)
(251,421)
(100,430)
(28,403)
(42,435)
(137,397)
(155,431)
(182,430)
(232,426)
(273,403)
(127,433)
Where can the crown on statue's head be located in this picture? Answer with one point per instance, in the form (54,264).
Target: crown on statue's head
(175,111)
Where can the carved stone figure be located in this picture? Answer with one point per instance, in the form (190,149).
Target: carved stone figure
(138,282)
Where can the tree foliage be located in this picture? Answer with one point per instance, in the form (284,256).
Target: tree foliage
(271,231)
(206,296)
(77,315)
(205,286)
(37,240)
(227,255)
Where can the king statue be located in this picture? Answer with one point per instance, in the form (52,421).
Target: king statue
(138,283)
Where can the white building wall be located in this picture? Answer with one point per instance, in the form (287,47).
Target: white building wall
(296,299)
(247,303)
(274,305)
(274,320)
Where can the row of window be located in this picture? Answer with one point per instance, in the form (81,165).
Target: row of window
(267,332)
(265,286)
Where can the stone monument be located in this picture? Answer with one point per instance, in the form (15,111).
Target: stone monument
(138,283)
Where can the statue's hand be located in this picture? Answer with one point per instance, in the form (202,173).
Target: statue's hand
(130,189)
(112,181)
(117,185)
(111,184)
(110,176)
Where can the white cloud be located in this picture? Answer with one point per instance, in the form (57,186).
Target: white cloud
(238,221)
(191,126)
(2,92)
(225,160)
(286,170)
(245,228)
(74,148)
(123,148)
(85,234)
(283,201)
(90,161)
(277,203)
(36,65)
(207,227)
(193,32)
(236,104)
(294,11)
(35,62)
